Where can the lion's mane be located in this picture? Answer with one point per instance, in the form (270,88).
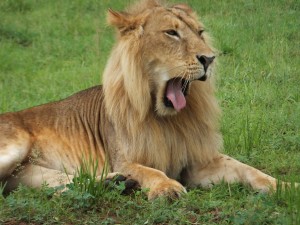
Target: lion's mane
(129,106)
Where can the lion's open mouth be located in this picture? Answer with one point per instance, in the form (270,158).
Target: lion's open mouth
(176,90)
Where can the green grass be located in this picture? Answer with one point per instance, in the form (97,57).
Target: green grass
(51,49)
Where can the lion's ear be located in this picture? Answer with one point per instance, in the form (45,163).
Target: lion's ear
(118,19)
(123,21)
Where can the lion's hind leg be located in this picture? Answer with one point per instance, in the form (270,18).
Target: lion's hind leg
(227,169)
(36,176)
(15,145)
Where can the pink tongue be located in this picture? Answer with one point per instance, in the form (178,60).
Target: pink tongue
(175,95)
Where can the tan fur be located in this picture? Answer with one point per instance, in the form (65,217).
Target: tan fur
(127,119)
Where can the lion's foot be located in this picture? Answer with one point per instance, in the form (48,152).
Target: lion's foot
(169,188)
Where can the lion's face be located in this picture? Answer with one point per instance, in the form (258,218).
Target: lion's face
(175,54)
(173,49)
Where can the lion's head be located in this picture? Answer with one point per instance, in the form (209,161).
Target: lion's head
(161,51)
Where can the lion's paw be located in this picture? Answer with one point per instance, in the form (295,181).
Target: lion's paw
(169,188)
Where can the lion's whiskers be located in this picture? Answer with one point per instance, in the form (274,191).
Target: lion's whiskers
(176,67)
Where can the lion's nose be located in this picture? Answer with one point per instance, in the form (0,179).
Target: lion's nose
(205,61)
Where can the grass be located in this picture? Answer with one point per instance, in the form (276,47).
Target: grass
(51,49)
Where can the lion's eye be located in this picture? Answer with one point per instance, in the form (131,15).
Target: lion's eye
(172,33)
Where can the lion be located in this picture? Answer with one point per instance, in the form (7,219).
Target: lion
(155,118)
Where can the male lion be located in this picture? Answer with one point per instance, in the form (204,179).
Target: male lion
(154,119)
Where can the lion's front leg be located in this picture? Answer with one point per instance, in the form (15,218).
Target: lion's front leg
(225,168)
(157,181)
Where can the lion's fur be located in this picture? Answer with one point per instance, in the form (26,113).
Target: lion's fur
(128,120)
